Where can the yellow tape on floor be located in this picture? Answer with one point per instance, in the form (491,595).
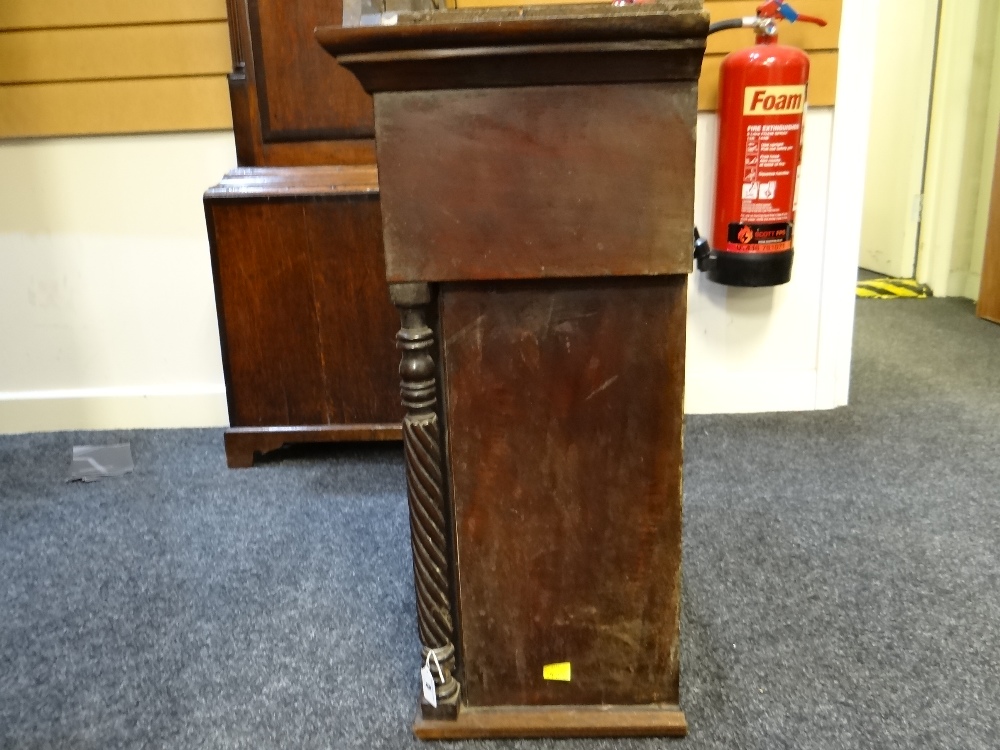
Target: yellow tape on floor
(893,289)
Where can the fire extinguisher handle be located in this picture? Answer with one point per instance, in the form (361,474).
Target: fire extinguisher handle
(811,19)
(786,11)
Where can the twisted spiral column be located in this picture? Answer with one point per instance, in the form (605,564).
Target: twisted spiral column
(425,491)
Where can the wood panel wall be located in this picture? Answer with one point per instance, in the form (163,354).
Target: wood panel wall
(72,67)
(820,42)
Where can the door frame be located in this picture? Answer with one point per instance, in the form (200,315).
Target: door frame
(960,150)
(894,182)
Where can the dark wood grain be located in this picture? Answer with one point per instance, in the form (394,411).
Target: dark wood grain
(988,306)
(308,153)
(535,65)
(304,94)
(430,521)
(305,317)
(564,433)
(247,149)
(535,722)
(278,118)
(538,181)
(305,182)
(525,46)
(244,445)
(537,170)
(485,28)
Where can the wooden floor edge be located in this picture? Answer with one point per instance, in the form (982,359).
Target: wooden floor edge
(556,721)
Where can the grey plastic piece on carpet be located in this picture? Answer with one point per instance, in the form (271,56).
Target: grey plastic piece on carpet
(93,462)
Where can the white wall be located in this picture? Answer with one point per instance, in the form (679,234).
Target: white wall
(106,289)
(108,308)
(758,349)
(789,348)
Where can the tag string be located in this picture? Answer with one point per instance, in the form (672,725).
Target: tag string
(427,664)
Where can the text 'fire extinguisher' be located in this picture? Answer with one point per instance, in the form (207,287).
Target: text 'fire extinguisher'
(762,104)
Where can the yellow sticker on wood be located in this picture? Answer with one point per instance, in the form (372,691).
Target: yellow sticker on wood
(559,672)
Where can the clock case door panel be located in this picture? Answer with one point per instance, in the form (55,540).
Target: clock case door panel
(293,105)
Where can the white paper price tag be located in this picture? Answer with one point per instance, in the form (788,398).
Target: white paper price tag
(430,693)
(427,679)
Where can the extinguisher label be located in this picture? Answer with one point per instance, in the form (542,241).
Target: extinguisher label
(774,100)
(770,160)
(759,238)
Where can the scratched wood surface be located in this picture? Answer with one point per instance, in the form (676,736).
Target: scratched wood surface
(548,142)
(538,181)
(564,418)
(304,313)
(303,92)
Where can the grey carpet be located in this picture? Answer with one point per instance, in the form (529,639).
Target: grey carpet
(842,581)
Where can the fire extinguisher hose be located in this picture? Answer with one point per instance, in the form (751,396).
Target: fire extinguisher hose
(730,23)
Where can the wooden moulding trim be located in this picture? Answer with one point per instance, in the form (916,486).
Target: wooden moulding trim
(307,135)
(541,25)
(531,46)
(556,721)
(247,182)
(314,153)
(644,45)
(805,36)
(532,65)
(305,433)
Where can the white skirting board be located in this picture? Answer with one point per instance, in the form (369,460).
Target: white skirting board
(113,409)
(714,392)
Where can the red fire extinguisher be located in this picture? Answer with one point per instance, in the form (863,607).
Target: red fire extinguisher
(762,102)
